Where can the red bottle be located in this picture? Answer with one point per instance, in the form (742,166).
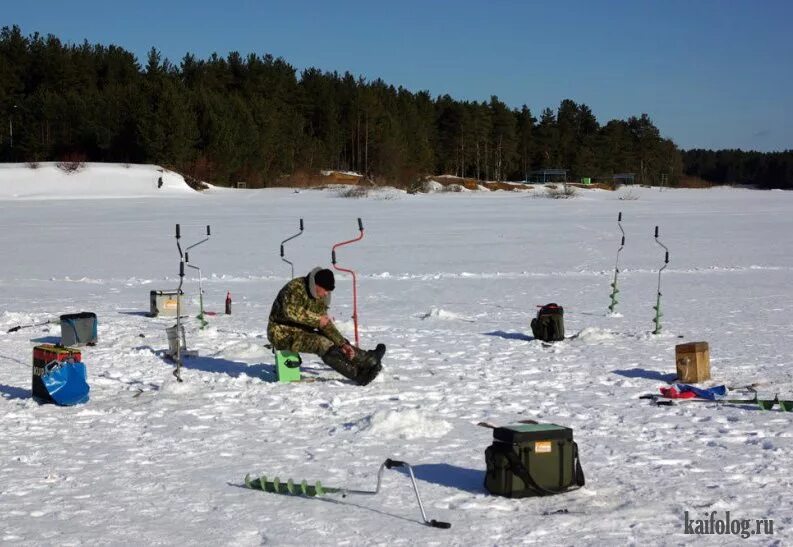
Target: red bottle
(228,303)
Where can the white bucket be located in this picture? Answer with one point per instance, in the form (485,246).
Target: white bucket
(173,340)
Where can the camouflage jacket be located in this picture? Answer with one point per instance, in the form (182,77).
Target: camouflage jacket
(297,305)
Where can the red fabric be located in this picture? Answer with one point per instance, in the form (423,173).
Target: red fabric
(672,393)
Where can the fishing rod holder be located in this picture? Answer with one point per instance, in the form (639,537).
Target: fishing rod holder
(283,258)
(354,278)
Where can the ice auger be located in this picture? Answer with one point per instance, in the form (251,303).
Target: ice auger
(290,488)
(614,290)
(657,306)
(283,258)
(354,281)
(200,315)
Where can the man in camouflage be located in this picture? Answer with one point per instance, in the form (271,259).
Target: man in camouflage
(299,322)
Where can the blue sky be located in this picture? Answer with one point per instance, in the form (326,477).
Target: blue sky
(711,74)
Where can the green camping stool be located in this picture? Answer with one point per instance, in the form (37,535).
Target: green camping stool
(287,366)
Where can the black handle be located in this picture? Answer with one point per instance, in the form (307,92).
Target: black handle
(389,463)
(282,251)
(333,257)
(178,235)
(656,232)
(619,217)
(301,224)
(187,257)
(208,232)
(623,240)
(438,524)
(14,329)
(360,225)
(181,269)
(667,257)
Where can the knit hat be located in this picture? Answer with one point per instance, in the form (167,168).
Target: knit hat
(325,279)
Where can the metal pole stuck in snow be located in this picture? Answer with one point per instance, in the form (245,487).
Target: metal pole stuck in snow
(354,280)
(617,267)
(289,239)
(657,306)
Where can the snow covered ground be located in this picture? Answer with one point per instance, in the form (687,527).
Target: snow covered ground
(449,282)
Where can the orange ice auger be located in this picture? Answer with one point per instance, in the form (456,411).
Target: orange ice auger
(354,281)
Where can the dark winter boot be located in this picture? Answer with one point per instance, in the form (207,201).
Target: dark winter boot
(379,353)
(369,364)
(368,359)
(336,360)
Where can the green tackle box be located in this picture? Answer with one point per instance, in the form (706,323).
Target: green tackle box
(530,459)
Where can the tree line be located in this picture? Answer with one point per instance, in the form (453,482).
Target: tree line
(254,118)
(761,169)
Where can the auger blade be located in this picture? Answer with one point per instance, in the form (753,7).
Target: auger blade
(290,487)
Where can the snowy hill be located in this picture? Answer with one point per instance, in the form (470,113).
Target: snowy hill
(94,180)
(449,282)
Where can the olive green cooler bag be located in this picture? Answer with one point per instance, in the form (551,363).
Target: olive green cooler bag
(530,459)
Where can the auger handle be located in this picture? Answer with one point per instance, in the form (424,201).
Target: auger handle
(666,261)
(208,232)
(619,217)
(282,250)
(656,232)
(389,463)
(623,241)
(178,233)
(181,269)
(360,225)
(187,257)
(301,224)
(333,257)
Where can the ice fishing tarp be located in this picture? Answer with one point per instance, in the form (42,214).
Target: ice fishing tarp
(79,329)
(59,375)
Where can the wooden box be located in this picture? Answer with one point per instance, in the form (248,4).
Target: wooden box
(693,362)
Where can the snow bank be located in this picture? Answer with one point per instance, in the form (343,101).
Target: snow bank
(94,180)
(431,186)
